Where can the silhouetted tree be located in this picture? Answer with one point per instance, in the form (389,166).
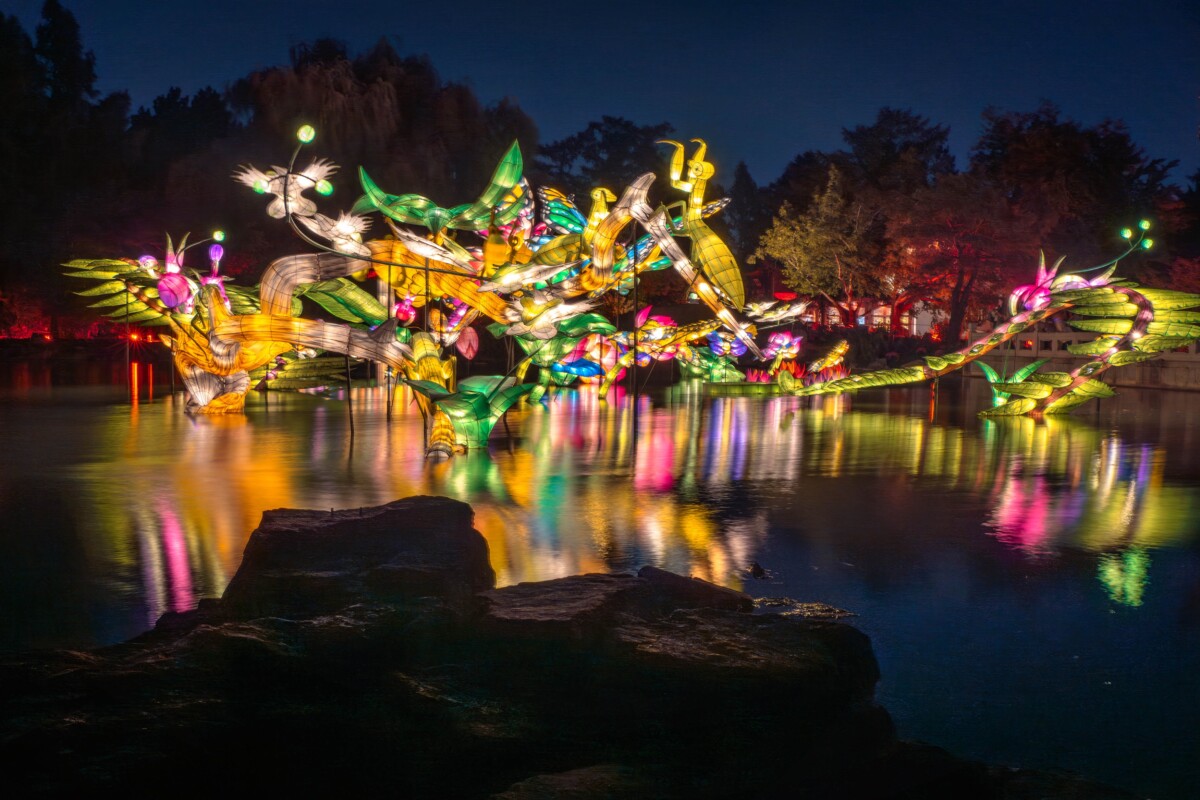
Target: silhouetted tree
(609,153)
(803,177)
(22,105)
(900,152)
(70,73)
(748,214)
(1081,184)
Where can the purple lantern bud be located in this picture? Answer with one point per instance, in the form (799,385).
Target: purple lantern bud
(173,290)
(216,252)
(149,262)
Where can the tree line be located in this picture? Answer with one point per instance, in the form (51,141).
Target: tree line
(887,220)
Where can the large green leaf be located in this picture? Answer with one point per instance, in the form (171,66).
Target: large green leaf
(1118,326)
(1093,348)
(108,287)
(1176,316)
(1168,300)
(123,299)
(1126,357)
(865,380)
(1025,389)
(1015,407)
(1157,344)
(507,174)
(989,373)
(1174,329)
(1106,310)
(411,209)
(1096,294)
(347,300)
(583,324)
(1027,370)
(103,274)
(133,319)
(936,363)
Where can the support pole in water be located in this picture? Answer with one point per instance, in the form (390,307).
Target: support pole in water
(631,257)
(349,397)
(128,379)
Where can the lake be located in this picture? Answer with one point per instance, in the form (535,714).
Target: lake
(1031,588)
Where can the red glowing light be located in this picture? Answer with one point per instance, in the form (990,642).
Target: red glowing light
(134,337)
(785,296)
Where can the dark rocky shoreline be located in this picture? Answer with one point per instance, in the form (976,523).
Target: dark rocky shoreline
(368,652)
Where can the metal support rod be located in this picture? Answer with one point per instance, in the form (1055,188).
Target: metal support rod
(631,256)
(349,397)
(128,379)
(387,369)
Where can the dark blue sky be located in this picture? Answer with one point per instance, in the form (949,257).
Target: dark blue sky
(759,81)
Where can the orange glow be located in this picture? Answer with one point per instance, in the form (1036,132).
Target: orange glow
(575,490)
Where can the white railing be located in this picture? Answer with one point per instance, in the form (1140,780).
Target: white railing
(1176,369)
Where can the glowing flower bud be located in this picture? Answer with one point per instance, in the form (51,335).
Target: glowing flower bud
(218,236)
(1126,233)
(306,134)
(1147,244)
(260,187)
(173,290)
(148,262)
(216,253)
(1144,224)
(324,187)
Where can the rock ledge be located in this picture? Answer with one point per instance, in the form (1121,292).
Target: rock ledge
(368,651)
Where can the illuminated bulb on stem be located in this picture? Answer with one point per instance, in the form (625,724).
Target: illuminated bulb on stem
(215,253)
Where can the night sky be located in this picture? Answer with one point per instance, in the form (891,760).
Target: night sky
(760,81)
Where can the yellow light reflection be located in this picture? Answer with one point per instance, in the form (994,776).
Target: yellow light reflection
(576,490)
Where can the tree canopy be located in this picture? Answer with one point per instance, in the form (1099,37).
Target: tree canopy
(886,219)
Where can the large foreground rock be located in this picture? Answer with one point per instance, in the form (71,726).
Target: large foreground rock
(366,652)
(300,561)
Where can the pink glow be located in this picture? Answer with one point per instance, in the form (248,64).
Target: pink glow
(175,547)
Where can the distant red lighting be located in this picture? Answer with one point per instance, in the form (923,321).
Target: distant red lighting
(47,337)
(785,296)
(134,337)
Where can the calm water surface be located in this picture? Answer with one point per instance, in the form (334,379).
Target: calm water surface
(1032,589)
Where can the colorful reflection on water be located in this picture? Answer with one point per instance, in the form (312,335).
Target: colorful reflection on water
(161,504)
(941,530)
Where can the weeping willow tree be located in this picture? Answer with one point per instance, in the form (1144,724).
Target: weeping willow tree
(385,109)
